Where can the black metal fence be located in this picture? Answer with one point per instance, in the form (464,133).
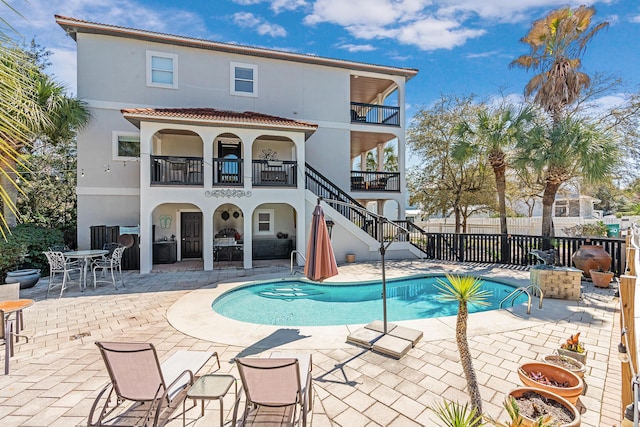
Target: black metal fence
(375,114)
(488,248)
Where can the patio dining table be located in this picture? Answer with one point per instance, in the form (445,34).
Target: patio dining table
(85,256)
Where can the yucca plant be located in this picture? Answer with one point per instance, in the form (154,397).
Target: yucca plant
(465,290)
(454,414)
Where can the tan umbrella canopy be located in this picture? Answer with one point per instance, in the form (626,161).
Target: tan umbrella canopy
(321,262)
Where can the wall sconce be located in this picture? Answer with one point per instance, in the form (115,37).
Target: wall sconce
(330,225)
(107,168)
(82,173)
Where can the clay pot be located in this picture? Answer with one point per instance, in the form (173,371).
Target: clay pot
(568,363)
(601,279)
(591,257)
(552,373)
(528,422)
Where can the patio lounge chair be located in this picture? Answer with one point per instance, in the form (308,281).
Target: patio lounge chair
(138,376)
(275,387)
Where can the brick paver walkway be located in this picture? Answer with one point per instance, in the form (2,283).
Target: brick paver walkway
(55,377)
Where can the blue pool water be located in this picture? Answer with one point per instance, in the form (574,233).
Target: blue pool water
(302,303)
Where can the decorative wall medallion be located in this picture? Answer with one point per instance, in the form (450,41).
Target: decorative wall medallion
(228,193)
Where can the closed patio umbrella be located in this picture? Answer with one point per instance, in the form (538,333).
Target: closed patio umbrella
(321,263)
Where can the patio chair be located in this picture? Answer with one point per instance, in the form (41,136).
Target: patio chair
(274,387)
(6,338)
(138,376)
(59,264)
(11,291)
(112,263)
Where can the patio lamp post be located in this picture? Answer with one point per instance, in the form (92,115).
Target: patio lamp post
(330,225)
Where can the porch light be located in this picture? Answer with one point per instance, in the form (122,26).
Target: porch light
(330,225)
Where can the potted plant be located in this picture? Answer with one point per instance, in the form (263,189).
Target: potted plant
(515,419)
(574,348)
(534,403)
(552,378)
(568,363)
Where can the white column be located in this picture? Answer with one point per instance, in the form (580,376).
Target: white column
(247,258)
(380,157)
(146,245)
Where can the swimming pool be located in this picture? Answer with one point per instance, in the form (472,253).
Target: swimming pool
(301,303)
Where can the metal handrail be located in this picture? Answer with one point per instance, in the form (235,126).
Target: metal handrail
(524,289)
(300,255)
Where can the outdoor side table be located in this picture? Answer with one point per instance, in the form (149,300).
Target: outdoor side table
(210,387)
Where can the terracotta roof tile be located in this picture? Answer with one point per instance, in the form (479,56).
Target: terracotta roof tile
(213,115)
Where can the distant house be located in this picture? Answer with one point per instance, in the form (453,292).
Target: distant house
(576,206)
(217,150)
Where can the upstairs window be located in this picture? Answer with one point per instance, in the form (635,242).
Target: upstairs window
(244,79)
(162,70)
(126,146)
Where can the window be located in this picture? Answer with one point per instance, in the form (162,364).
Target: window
(264,221)
(126,146)
(244,79)
(162,70)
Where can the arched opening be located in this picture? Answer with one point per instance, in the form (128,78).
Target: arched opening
(176,158)
(228,240)
(176,232)
(227,160)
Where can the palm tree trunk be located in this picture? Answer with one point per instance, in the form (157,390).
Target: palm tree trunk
(501,188)
(548,198)
(465,357)
(10,188)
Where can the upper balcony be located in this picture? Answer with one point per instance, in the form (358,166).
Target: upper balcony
(375,114)
(374,101)
(375,181)
(189,171)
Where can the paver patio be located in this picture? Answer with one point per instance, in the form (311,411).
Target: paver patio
(55,377)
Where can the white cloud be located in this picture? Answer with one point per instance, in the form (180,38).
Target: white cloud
(488,54)
(276,5)
(262,27)
(635,19)
(356,47)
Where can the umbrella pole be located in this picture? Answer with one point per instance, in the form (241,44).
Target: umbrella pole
(384,279)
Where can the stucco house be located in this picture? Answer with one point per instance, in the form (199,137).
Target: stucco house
(208,147)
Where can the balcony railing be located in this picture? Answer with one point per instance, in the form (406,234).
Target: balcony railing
(281,173)
(375,181)
(172,170)
(375,114)
(228,172)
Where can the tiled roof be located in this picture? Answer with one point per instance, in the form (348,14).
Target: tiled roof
(73,26)
(210,115)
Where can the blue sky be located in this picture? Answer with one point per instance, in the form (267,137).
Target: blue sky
(459,46)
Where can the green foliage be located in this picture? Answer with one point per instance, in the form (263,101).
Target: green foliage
(463,289)
(24,248)
(596,229)
(454,414)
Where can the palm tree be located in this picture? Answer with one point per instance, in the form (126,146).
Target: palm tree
(496,132)
(39,109)
(20,115)
(557,42)
(465,290)
(570,149)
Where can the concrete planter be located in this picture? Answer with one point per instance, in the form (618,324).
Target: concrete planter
(27,278)
(580,357)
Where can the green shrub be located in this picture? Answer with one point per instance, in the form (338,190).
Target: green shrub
(24,248)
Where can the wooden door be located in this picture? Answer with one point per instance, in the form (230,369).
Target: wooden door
(191,234)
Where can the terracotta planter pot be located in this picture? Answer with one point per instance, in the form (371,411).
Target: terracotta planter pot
(601,279)
(552,373)
(580,357)
(591,257)
(568,363)
(528,422)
